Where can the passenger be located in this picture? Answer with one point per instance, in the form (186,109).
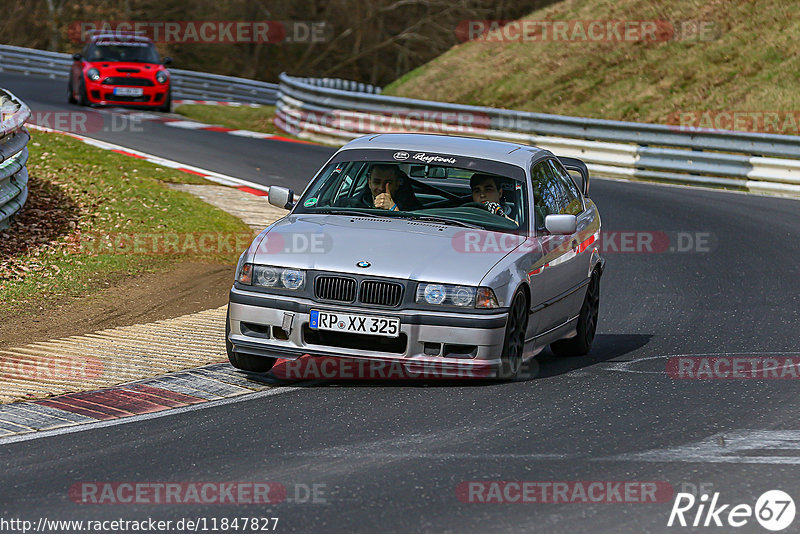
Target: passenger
(389,189)
(487,190)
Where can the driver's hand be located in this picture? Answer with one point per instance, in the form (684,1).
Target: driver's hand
(494,207)
(384,200)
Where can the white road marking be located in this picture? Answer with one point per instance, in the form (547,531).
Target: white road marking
(248,133)
(735,447)
(188,125)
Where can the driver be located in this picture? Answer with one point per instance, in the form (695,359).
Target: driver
(487,190)
(389,189)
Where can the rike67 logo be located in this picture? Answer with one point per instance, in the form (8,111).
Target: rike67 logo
(774,510)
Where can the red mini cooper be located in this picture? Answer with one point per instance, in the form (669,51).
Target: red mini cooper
(120,69)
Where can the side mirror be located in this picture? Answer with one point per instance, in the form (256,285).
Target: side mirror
(167,61)
(561,224)
(281,197)
(77,57)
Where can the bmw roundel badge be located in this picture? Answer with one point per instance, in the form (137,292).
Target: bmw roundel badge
(363,264)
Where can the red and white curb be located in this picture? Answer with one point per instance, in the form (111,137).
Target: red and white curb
(169,392)
(223,179)
(196,125)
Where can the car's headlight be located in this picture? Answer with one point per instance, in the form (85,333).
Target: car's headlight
(161,76)
(275,277)
(93,74)
(446,295)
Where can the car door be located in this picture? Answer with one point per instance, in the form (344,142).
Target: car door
(555,274)
(584,236)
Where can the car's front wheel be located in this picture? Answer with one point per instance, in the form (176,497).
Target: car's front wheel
(167,107)
(581,344)
(245,362)
(517,323)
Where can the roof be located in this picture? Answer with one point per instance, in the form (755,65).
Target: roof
(514,153)
(119,37)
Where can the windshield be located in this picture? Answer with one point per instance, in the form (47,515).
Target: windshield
(455,191)
(124,51)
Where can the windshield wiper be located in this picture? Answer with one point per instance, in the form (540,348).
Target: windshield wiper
(446,220)
(357,213)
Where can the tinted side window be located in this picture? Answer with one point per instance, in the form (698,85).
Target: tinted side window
(549,196)
(574,204)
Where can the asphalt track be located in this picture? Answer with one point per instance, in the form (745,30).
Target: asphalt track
(391,455)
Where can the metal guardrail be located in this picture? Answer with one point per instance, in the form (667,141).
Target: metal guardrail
(13,156)
(186,84)
(340,110)
(740,160)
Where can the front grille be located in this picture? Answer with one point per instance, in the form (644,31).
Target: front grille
(131,82)
(347,340)
(381,293)
(118,98)
(336,288)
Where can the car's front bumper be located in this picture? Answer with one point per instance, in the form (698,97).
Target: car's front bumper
(103,95)
(468,342)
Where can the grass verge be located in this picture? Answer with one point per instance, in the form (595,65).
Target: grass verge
(746,60)
(241,118)
(94,217)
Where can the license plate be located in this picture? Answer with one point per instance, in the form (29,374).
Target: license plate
(128,91)
(355,324)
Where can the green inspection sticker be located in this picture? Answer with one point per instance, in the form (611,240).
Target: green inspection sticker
(310,202)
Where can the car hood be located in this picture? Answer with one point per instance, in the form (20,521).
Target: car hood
(398,248)
(125,68)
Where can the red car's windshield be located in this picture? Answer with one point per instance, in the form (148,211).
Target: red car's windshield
(122,51)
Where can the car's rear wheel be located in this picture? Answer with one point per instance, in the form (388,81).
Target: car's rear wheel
(71,92)
(581,344)
(83,100)
(245,362)
(517,323)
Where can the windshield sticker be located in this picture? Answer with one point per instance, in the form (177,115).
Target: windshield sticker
(310,202)
(121,43)
(426,158)
(400,156)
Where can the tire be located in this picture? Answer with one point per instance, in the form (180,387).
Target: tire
(70,92)
(245,362)
(514,342)
(167,107)
(83,100)
(581,344)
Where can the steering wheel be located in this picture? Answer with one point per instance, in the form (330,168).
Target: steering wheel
(480,205)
